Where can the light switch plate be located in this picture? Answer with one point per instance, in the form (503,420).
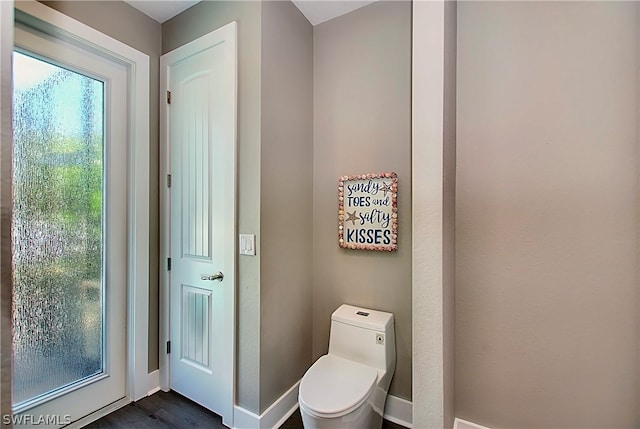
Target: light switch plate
(248,244)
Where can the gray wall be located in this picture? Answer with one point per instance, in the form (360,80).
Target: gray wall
(189,25)
(547,214)
(362,124)
(132,27)
(286,211)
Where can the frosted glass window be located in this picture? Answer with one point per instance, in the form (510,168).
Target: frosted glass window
(57,227)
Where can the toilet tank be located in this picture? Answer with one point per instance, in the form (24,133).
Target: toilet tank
(363,335)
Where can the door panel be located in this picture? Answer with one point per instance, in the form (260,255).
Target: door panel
(196,316)
(201,78)
(193,131)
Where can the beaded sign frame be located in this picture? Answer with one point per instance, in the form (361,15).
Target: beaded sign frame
(368,212)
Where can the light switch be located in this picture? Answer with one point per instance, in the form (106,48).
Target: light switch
(248,244)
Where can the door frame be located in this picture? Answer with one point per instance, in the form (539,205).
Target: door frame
(204,42)
(6,135)
(138,381)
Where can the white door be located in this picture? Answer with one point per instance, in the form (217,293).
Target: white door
(201,121)
(68,231)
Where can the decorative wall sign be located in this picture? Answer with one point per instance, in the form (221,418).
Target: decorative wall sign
(368,211)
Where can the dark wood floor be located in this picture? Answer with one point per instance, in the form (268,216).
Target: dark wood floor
(171,410)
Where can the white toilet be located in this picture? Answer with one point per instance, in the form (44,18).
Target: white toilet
(347,388)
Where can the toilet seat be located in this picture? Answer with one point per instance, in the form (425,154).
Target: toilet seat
(335,386)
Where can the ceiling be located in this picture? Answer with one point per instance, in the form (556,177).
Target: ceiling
(161,10)
(316,11)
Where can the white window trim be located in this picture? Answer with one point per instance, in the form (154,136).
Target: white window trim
(139,381)
(6,117)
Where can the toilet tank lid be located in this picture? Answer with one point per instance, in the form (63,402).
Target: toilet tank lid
(363,318)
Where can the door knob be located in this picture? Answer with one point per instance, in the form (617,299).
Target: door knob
(217,276)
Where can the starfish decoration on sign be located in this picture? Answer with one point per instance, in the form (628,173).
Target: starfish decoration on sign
(351,217)
(386,187)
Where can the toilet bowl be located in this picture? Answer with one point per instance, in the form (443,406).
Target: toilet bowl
(347,388)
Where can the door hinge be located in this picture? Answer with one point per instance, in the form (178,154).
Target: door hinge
(168,264)
(168,97)
(168,180)
(168,347)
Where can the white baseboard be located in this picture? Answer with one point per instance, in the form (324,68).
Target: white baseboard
(99,414)
(147,385)
(272,417)
(398,410)
(154,390)
(463,424)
